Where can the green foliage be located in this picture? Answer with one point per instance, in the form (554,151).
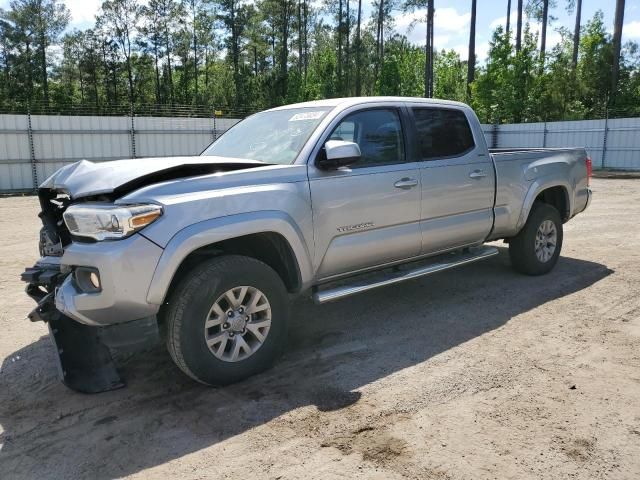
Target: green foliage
(402,72)
(451,76)
(253,55)
(511,87)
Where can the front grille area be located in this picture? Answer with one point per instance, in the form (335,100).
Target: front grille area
(54,235)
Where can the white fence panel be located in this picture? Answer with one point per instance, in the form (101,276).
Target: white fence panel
(525,135)
(623,144)
(73,138)
(587,134)
(613,143)
(58,140)
(15,155)
(157,137)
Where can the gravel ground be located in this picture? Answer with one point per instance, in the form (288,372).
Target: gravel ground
(474,373)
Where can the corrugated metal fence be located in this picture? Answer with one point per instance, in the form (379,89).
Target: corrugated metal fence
(32,147)
(611,143)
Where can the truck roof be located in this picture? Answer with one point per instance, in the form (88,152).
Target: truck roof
(349,101)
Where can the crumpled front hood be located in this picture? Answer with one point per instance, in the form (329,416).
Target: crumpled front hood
(84,178)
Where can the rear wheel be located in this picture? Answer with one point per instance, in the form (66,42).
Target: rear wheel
(227,320)
(535,250)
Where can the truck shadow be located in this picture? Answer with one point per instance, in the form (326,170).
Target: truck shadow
(52,432)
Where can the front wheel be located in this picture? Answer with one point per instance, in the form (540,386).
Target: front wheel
(535,250)
(227,320)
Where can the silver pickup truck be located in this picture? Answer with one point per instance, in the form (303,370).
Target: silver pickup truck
(331,198)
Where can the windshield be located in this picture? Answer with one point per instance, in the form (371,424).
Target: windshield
(271,137)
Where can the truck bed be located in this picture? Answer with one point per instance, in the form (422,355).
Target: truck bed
(519,171)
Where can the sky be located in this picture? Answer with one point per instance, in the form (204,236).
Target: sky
(452,19)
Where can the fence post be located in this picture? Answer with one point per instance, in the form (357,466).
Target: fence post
(604,140)
(133,134)
(494,136)
(32,152)
(544,135)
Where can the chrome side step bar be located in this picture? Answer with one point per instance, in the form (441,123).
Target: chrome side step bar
(445,263)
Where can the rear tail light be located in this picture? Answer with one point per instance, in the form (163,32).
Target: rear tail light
(589,171)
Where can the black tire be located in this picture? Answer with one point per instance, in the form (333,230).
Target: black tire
(190,303)
(522,247)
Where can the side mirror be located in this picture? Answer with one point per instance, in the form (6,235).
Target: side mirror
(338,153)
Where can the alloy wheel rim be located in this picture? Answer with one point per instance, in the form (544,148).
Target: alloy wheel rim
(237,324)
(546,241)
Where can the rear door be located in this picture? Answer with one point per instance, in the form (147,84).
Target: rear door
(457,179)
(367,214)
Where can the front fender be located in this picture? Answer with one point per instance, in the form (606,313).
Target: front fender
(537,186)
(216,230)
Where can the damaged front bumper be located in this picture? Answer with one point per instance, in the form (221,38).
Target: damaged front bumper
(84,352)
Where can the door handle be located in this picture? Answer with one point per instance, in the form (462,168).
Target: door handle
(406,183)
(477,174)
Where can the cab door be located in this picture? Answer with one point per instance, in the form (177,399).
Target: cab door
(457,179)
(367,214)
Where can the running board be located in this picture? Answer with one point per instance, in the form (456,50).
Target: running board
(444,263)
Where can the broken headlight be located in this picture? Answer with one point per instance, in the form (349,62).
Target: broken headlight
(101,221)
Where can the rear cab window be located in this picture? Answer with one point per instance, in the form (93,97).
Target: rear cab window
(441,133)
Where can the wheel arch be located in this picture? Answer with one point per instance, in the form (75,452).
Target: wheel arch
(270,237)
(554,193)
(558,197)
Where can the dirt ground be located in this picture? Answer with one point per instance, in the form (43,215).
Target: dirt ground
(475,373)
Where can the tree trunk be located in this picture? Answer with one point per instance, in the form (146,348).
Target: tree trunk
(427,55)
(471,60)
(306,43)
(235,52)
(206,72)
(155,57)
(576,34)
(617,44)
(543,35)
(428,66)
(195,57)
(43,59)
(169,74)
(358,52)
(7,67)
(379,39)
(81,81)
(126,50)
(519,27)
(29,77)
(273,46)
(255,59)
(508,17)
(130,78)
(300,38)
(348,62)
(106,73)
(114,82)
(234,42)
(94,77)
(339,66)
(284,46)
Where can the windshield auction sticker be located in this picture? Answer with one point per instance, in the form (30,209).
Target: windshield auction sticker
(298,117)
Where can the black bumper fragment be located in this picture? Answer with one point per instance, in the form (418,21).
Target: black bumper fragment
(83,352)
(84,362)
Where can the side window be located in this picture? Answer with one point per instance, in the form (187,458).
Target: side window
(377,132)
(442,132)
